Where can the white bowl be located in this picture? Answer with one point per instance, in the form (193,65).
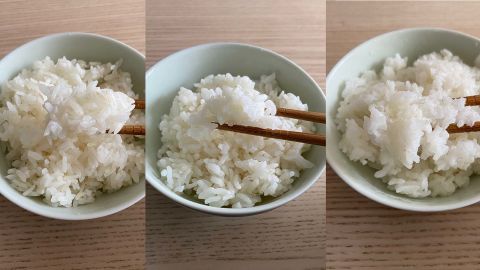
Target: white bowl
(186,67)
(86,47)
(371,55)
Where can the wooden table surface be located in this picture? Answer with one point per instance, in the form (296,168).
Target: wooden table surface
(362,234)
(28,241)
(290,237)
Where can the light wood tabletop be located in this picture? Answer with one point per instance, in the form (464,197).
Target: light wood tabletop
(362,234)
(290,237)
(28,241)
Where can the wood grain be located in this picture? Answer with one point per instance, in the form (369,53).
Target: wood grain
(362,234)
(28,241)
(290,237)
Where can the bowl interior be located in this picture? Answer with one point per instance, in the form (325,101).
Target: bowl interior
(187,67)
(87,47)
(371,55)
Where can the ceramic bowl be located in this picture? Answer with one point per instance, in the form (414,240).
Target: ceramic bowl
(89,47)
(371,54)
(187,67)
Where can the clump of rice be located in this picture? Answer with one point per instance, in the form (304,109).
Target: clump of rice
(224,168)
(54,116)
(395,121)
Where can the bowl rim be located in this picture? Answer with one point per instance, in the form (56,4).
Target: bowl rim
(337,167)
(156,182)
(14,198)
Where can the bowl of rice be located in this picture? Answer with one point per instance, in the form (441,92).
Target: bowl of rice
(391,103)
(63,99)
(221,172)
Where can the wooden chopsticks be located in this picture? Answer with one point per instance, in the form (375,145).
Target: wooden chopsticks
(140,104)
(469,101)
(264,132)
(134,129)
(472,100)
(295,136)
(455,129)
(316,117)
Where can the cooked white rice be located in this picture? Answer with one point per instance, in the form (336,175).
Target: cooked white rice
(395,121)
(223,168)
(53,119)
